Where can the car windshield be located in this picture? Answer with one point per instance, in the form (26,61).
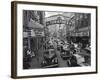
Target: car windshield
(46,52)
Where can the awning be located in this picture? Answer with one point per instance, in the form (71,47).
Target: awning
(86,33)
(35,25)
(81,32)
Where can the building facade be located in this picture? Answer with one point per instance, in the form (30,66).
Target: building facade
(33,29)
(73,26)
(82,27)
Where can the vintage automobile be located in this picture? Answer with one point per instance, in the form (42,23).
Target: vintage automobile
(76,59)
(73,61)
(51,47)
(59,46)
(50,59)
(65,54)
(66,46)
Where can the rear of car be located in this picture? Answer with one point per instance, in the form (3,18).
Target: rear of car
(65,55)
(50,59)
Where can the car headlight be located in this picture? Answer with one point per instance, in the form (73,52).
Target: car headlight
(63,53)
(56,60)
(53,60)
(44,62)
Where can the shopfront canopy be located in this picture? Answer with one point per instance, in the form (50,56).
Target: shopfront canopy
(35,25)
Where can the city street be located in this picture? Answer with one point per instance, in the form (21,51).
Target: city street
(61,62)
(57,39)
(37,60)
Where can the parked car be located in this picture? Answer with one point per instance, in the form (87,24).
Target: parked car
(50,59)
(51,47)
(73,61)
(66,47)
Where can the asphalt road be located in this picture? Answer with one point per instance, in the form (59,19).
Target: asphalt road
(61,62)
(36,61)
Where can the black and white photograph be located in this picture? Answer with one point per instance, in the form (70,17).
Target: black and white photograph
(56,39)
(53,39)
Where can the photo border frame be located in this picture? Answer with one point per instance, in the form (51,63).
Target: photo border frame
(14,37)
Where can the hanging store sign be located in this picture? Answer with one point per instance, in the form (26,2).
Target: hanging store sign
(56,22)
(25,34)
(80,34)
(39,32)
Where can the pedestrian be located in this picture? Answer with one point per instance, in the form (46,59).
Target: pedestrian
(29,55)
(33,54)
(28,52)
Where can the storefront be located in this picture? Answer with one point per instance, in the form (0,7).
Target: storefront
(34,36)
(82,36)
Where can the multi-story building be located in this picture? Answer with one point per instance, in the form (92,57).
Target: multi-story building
(33,29)
(82,23)
(71,25)
(82,26)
